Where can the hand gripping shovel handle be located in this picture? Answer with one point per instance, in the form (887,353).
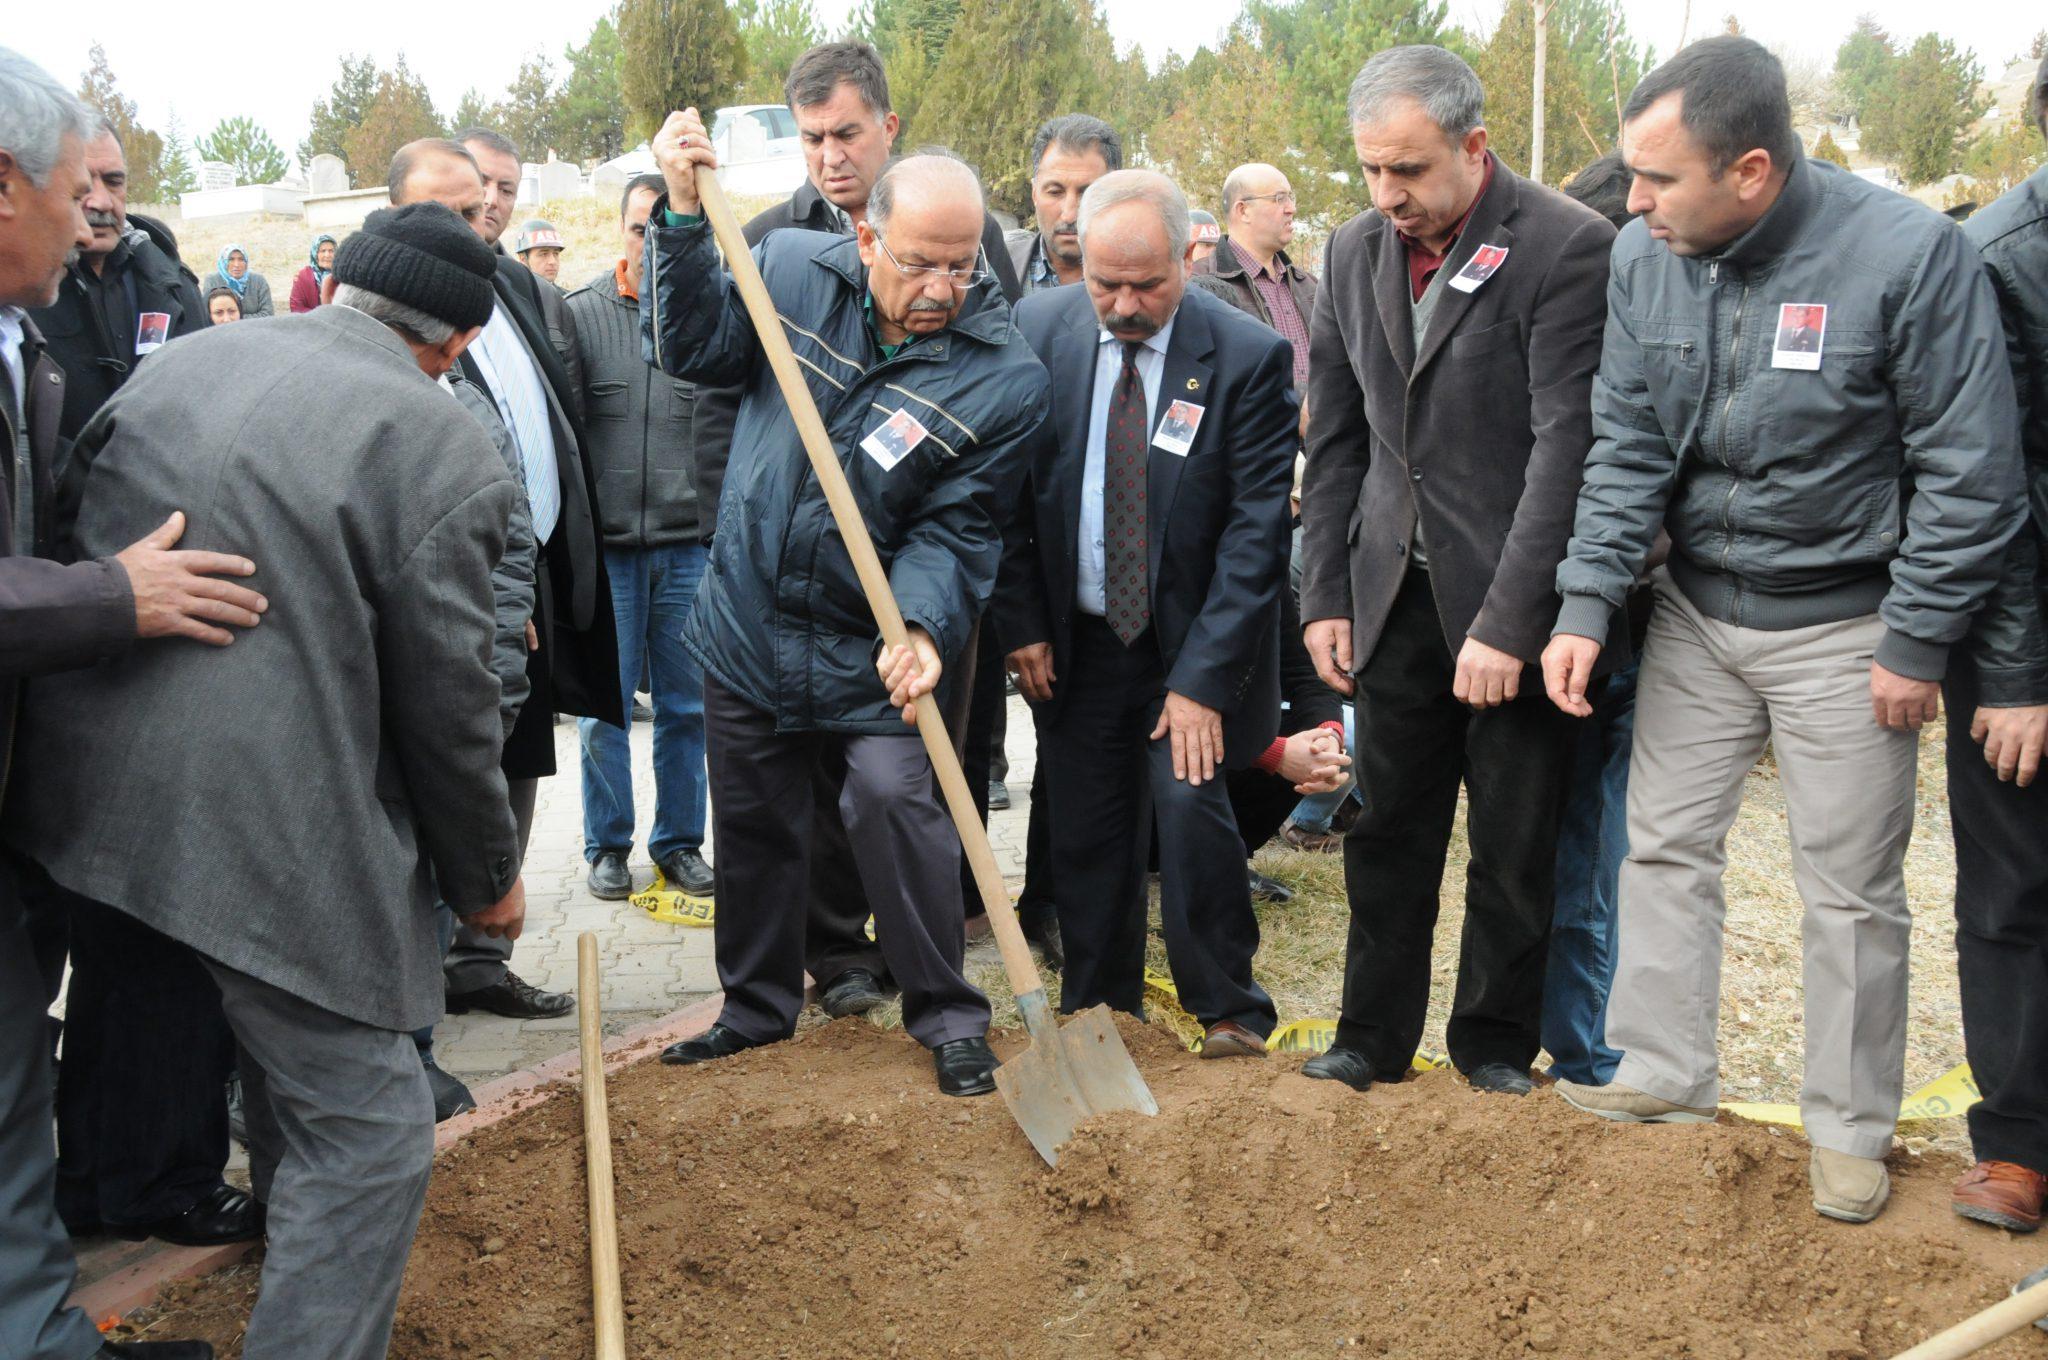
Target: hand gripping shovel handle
(874,581)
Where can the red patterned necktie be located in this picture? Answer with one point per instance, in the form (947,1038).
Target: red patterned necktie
(1127,602)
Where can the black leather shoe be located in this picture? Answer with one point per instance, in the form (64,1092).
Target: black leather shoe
(153,1350)
(686,869)
(1502,1079)
(610,879)
(226,1215)
(1268,890)
(966,1067)
(1042,928)
(713,1044)
(514,998)
(853,992)
(1347,1065)
(451,1096)
(998,795)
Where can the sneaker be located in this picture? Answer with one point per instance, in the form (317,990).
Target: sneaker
(1851,1189)
(2003,1194)
(610,879)
(1628,1105)
(686,871)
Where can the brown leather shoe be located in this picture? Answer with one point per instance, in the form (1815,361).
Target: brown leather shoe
(1228,1039)
(2002,1194)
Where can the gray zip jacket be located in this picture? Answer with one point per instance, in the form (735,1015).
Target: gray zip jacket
(1885,480)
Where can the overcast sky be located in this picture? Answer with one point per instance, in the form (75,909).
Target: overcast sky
(273,65)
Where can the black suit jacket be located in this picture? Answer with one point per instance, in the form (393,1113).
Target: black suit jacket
(1481,429)
(581,649)
(1216,519)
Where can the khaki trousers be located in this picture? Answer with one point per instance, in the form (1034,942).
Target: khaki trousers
(1710,694)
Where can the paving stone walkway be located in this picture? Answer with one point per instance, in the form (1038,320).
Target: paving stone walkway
(649,967)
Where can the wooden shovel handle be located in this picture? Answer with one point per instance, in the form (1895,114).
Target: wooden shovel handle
(1974,1333)
(853,530)
(608,1312)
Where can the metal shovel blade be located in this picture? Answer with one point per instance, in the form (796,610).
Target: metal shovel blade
(1069,1074)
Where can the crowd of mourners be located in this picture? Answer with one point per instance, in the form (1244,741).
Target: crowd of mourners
(1573,501)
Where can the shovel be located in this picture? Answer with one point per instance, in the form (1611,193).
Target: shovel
(1068,1073)
(2028,1303)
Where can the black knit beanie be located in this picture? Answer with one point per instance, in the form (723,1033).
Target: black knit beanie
(424,256)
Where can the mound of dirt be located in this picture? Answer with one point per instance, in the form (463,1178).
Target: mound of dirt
(819,1199)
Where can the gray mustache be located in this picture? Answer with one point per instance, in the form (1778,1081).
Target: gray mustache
(925,304)
(94,218)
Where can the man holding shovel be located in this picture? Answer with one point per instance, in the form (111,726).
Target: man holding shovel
(928,394)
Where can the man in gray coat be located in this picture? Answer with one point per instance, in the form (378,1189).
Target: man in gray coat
(357,729)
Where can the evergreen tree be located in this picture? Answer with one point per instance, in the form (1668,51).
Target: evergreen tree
(776,33)
(1506,66)
(590,126)
(1999,160)
(1008,66)
(531,109)
(401,111)
(1591,36)
(1824,149)
(343,110)
(239,142)
(678,54)
(143,149)
(1920,113)
(1318,46)
(911,35)
(179,177)
(473,110)
(1863,65)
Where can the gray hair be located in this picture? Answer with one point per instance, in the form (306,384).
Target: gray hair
(1439,80)
(36,115)
(1139,186)
(928,168)
(407,320)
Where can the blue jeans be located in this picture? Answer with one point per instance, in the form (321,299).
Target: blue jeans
(1314,813)
(653,590)
(1590,848)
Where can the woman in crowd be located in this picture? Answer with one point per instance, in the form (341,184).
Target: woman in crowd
(306,287)
(231,271)
(222,306)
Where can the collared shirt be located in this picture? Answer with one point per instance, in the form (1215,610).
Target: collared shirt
(1422,265)
(1039,274)
(1279,298)
(11,319)
(1089,567)
(516,384)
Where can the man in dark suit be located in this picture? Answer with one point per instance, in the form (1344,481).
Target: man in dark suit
(1139,603)
(55,617)
(1452,419)
(357,724)
(574,663)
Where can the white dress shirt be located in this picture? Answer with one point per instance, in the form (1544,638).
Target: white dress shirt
(514,377)
(1109,367)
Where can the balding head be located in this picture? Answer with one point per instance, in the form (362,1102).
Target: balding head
(921,242)
(1258,208)
(436,170)
(1134,242)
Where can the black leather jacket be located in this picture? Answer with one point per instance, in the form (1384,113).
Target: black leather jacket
(2009,644)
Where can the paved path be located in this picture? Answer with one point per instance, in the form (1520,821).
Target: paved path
(649,967)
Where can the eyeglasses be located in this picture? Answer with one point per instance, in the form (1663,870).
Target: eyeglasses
(1285,198)
(961,279)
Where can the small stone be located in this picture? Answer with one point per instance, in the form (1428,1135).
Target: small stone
(493,1245)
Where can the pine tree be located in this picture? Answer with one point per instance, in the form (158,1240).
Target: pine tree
(590,125)
(1862,66)
(678,54)
(473,110)
(179,177)
(343,110)
(530,111)
(776,33)
(911,35)
(1504,66)
(1926,104)
(143,149)
(239,142)
(1824,149)
(401,111)
(1319,46)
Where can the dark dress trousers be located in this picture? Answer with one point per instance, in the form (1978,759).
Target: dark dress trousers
(1469,436)
(1216,527)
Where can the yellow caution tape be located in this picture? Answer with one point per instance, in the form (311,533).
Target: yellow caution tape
(1945,1097)
(1164,1000)
(1296,1036)
(673,905)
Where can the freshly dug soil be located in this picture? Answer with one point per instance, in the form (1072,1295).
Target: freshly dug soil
(820,1199)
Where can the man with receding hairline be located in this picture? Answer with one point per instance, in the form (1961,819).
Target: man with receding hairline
(929,396)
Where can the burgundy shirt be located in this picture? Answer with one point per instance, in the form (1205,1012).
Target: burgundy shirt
(1287,318)
(1422,265)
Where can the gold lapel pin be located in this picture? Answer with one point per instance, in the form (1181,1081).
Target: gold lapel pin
(1194,384)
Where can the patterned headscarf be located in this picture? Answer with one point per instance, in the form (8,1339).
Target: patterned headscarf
(313,256)
(220,267)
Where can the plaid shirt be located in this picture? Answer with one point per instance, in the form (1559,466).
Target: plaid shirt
(1287,318)
(1038,273)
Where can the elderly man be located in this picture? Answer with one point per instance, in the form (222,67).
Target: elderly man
(1455,339)
(1250,269)
(56,617)
(370,668)
(1140,604)
(1069,153)
(1833,529)
(930,395)
(639,439)
(839,95)
(537,389)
